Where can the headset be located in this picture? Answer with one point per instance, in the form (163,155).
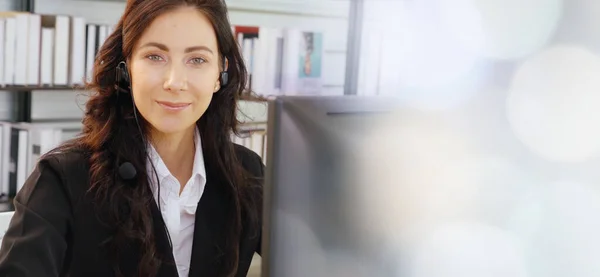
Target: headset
(123,86)
(123,81)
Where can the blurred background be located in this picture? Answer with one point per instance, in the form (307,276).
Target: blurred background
(488,168)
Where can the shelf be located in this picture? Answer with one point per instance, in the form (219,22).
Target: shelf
(30,88)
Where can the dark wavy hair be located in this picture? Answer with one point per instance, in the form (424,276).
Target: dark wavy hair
(110,136)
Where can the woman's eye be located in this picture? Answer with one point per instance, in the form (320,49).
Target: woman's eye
(198,60)
(154,57)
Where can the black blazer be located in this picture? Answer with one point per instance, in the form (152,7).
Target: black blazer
(55,231)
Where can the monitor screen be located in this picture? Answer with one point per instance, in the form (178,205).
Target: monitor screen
(314,144)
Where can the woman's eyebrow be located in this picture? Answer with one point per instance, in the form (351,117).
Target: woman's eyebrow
(187,50)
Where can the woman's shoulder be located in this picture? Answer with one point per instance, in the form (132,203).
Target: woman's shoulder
(69,165)
(58,174)
(66,159)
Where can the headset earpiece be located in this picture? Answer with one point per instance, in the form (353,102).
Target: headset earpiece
(224,78)
(224,75)
(122,80)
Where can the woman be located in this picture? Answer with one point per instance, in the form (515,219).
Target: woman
(153,186)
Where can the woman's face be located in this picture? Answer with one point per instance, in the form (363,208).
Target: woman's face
(174,70)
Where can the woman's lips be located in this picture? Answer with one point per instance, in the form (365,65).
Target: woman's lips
(173,106)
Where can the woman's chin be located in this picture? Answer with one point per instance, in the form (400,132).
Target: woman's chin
(167,128)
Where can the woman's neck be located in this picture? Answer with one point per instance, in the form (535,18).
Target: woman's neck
(177,151)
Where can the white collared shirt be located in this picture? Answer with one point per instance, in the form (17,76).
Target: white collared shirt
(178,211)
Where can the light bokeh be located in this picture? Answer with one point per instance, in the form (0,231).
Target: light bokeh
(468,249)
(559,227)
(425,65)
(502,29)
(553,103)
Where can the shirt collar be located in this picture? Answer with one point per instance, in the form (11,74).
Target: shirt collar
(162,171)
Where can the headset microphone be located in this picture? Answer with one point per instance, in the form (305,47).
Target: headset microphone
(127,171)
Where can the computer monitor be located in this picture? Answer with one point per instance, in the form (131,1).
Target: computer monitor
(310,223)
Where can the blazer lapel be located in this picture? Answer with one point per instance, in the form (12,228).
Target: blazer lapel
(209,229)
